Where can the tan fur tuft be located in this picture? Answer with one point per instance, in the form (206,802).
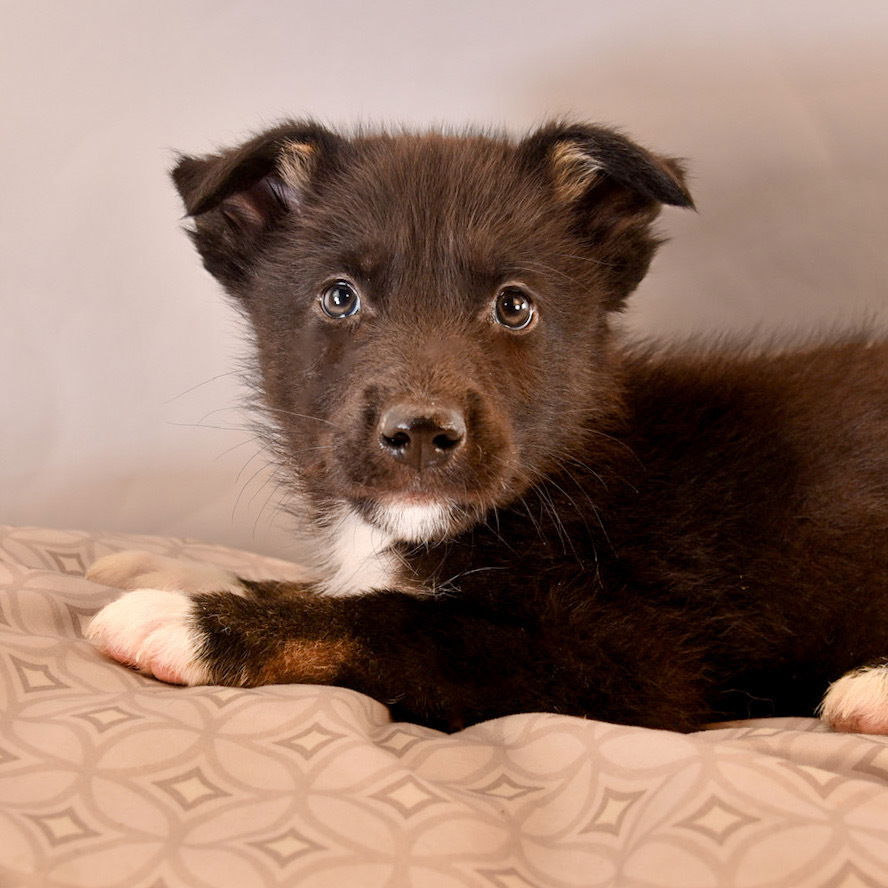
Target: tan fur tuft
(574,170)
(296,163)
(314,662)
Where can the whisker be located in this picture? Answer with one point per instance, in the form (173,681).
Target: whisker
(549,505)
(202,425)
(251,440)
(200,384)
(265,505)
(246,484)
(533,520)
(269,409)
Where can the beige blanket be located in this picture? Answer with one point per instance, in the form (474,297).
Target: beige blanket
(111,779)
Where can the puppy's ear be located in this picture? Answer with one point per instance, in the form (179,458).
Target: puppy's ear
(613,190)
(239,196)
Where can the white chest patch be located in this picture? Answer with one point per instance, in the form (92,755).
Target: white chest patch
(359,559)
(413,523)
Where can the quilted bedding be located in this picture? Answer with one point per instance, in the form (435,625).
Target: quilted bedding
(108,778)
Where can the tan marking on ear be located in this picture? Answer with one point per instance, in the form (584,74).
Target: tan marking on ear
(296,163)
(312,662)
(573,169)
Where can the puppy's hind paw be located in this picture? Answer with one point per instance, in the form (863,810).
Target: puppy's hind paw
(152,630)
(134,569)
(858,702)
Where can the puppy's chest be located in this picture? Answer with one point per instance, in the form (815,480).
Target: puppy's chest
(357,557)
(360,558)
(483,562)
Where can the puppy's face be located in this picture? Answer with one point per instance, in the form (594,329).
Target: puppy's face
(430,312)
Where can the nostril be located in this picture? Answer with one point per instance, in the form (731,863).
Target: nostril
(397,441)
(447,440)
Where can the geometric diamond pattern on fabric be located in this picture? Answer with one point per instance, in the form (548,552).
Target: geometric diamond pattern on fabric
(505,787)
(108,778)
(717,820)
(63,826)
(310,741)
(287,847)
(68,562)
(191,789)
(399,741)
(820,781)
(612,810)
(407,795)
(36,676)
(108,717)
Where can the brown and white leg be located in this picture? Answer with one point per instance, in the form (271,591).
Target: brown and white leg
(858,701)
(150,626)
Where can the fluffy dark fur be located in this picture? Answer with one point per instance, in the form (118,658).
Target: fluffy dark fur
(656,537)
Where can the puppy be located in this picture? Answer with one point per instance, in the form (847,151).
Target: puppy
(518,511)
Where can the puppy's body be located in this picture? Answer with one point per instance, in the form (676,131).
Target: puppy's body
(519,512)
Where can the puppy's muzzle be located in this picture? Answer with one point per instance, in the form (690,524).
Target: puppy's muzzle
(422,436)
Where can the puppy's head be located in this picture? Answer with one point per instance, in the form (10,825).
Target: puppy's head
(430,311)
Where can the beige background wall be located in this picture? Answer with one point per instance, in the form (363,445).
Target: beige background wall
(115,348)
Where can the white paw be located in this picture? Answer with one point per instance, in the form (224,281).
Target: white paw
(858,702)
(152,630)
(145,570)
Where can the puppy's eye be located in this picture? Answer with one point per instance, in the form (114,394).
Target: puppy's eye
(514,308)
(340,300)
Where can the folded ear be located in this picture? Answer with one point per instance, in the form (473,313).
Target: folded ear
(238,196)
(613,189)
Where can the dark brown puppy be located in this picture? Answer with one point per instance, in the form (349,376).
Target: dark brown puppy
(517,511)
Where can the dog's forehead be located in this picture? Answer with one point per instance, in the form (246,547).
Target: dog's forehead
(436,162)
(437,199)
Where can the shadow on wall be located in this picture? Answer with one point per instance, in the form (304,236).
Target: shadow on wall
(786,156)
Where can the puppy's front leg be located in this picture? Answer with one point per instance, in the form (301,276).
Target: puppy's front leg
(435,659)
(440,661)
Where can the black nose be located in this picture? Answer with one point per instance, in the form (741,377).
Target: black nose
(421,436)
